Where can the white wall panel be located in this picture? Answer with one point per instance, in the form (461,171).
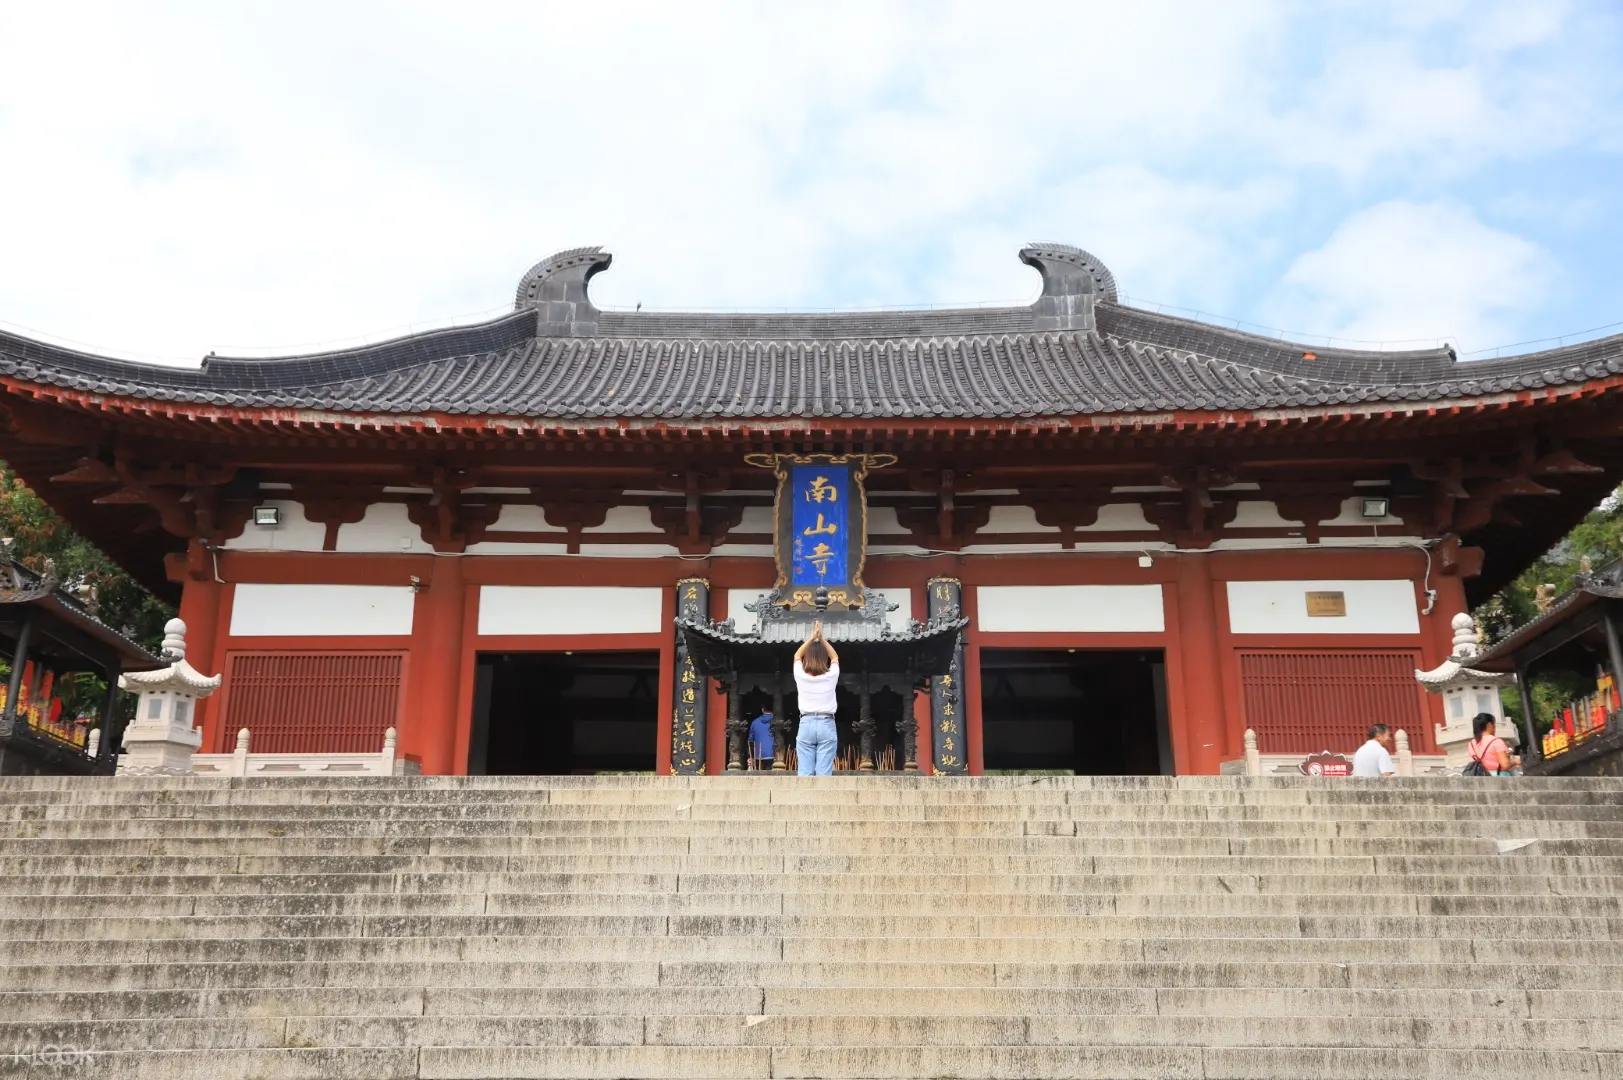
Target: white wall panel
(1119,517)
(903,599)
(882,521)
(1280,607)
(1089,609)
(745,621)
(385,528)
(570,609)
(1006,519)
(295,533)
(631,519)
(1261,515)
(524,517)
(321,610)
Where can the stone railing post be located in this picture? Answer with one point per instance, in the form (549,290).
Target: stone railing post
(239,754)
(387,755)
(1253,756)
(1404,758)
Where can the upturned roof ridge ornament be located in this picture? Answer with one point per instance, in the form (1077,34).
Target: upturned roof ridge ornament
(1058,264)
(555,289)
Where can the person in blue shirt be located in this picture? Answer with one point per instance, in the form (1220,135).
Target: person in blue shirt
(761,745)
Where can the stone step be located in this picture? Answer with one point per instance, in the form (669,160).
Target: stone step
(862,927)
(933,1028)
(307,1001)
(833,814)
(1364,803)
(1527,861)
(680,948)
(1163,1002)
(793,832)
(1025,1063)
(1146,974)
(1155,1003)
(1101,809)
(710,904)
(802,1030)
(1561,931)
(721,786)
(725,1063)
(926,888)
(682,844)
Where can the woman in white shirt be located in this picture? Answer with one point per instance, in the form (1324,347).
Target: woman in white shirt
(817,674)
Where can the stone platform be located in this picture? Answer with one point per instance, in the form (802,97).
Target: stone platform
(773,926)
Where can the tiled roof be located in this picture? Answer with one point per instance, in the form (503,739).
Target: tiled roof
(1587,589)
(1075,351)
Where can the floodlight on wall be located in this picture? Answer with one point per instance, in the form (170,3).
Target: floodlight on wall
(267,517)
(1375,508)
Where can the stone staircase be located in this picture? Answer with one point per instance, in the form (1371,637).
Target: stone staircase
(769,926)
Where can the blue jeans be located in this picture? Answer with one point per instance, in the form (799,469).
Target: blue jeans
(814,745)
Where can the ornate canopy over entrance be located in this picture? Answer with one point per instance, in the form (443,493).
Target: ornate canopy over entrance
(820,545)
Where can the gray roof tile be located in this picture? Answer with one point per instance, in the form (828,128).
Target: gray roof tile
(557,357)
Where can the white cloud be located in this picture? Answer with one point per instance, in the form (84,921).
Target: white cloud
(176,179)
(1403,271)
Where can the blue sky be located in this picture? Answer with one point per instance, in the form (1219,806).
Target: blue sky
(178,179)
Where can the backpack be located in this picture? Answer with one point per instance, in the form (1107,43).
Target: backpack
(1474,767)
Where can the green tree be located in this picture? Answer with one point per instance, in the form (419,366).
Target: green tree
(1597,540)
(37,534)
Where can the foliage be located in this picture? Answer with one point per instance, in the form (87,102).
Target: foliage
(1598,539)
(38,534)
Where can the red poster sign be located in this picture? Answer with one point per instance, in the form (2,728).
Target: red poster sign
(1325,763)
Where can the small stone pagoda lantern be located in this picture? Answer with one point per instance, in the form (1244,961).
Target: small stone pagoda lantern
(1466,692)
(161,740)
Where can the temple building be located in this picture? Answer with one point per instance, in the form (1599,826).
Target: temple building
(1074,535)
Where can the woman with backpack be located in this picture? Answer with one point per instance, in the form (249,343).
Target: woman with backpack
(1489,754)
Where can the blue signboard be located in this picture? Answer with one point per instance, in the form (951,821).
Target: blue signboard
(819,524)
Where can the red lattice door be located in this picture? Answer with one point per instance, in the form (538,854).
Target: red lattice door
(1303,701)
(312,703)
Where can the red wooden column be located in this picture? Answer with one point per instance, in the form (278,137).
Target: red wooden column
(972,683)
(437,657)
(203,606)
(200,601)
(1203,716)
(1438,632)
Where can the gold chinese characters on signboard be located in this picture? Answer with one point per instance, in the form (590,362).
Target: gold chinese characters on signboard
(1326,604)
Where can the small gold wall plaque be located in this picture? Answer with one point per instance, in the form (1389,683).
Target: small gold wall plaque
(1326,604)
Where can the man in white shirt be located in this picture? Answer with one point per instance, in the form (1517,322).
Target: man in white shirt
(1374,758)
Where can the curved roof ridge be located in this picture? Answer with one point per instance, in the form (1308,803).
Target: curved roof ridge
(260,373)
(1226,343)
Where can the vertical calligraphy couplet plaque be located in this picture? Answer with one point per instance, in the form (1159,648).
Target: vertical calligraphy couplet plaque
(948,739)
(691,697)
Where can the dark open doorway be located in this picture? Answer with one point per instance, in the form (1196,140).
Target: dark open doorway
(552,714)
(1095,712)
(886,704)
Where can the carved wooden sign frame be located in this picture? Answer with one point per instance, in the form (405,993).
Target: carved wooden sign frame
(820,525)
